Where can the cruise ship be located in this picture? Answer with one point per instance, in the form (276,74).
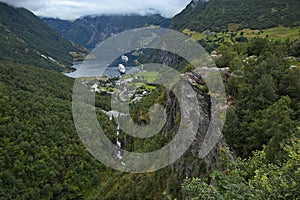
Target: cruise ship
(122,68)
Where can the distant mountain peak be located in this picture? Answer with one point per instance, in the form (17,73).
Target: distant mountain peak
(90,30)
(150,11)
(147,12)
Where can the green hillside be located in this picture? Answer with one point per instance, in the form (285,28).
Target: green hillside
(42,156)
(219,15)
(211,40)
(40,153)
(27,39)
(262,125)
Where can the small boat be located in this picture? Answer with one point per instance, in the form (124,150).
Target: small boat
(122,68)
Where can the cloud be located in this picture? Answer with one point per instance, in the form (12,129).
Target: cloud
(31,5)
(71,9)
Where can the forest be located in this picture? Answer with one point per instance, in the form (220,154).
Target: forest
(262,124)
(222,15)
(42,156)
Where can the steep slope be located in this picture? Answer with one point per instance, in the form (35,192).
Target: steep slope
(218,15)
(27,39)
(41,156)
(90,30)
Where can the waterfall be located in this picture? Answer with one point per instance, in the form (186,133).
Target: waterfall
(119,144)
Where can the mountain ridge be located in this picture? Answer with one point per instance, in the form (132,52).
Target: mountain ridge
(90,30)
(27,39)
(222,15)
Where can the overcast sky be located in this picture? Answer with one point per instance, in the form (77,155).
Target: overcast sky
(71,9)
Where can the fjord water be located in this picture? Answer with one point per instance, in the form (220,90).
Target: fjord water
(93,68)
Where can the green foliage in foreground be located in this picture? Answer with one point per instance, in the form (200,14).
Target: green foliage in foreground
(252,178)
(41,156)
(263,91)
(262,124)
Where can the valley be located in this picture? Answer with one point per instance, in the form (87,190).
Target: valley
(91,30)
(49,68)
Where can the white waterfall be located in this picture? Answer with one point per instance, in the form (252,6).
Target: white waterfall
(119,144)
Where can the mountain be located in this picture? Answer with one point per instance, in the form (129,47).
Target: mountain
(42,156)
(26,39)
(90,30)
(218,15)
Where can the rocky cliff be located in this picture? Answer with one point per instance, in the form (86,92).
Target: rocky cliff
(192,163)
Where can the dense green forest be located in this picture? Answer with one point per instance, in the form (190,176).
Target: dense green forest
(262,124)
(40,153)
(42,156)
(222,15)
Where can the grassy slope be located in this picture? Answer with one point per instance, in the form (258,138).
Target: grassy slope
(276,33)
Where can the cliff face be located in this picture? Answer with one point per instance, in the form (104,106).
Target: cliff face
(192,163)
